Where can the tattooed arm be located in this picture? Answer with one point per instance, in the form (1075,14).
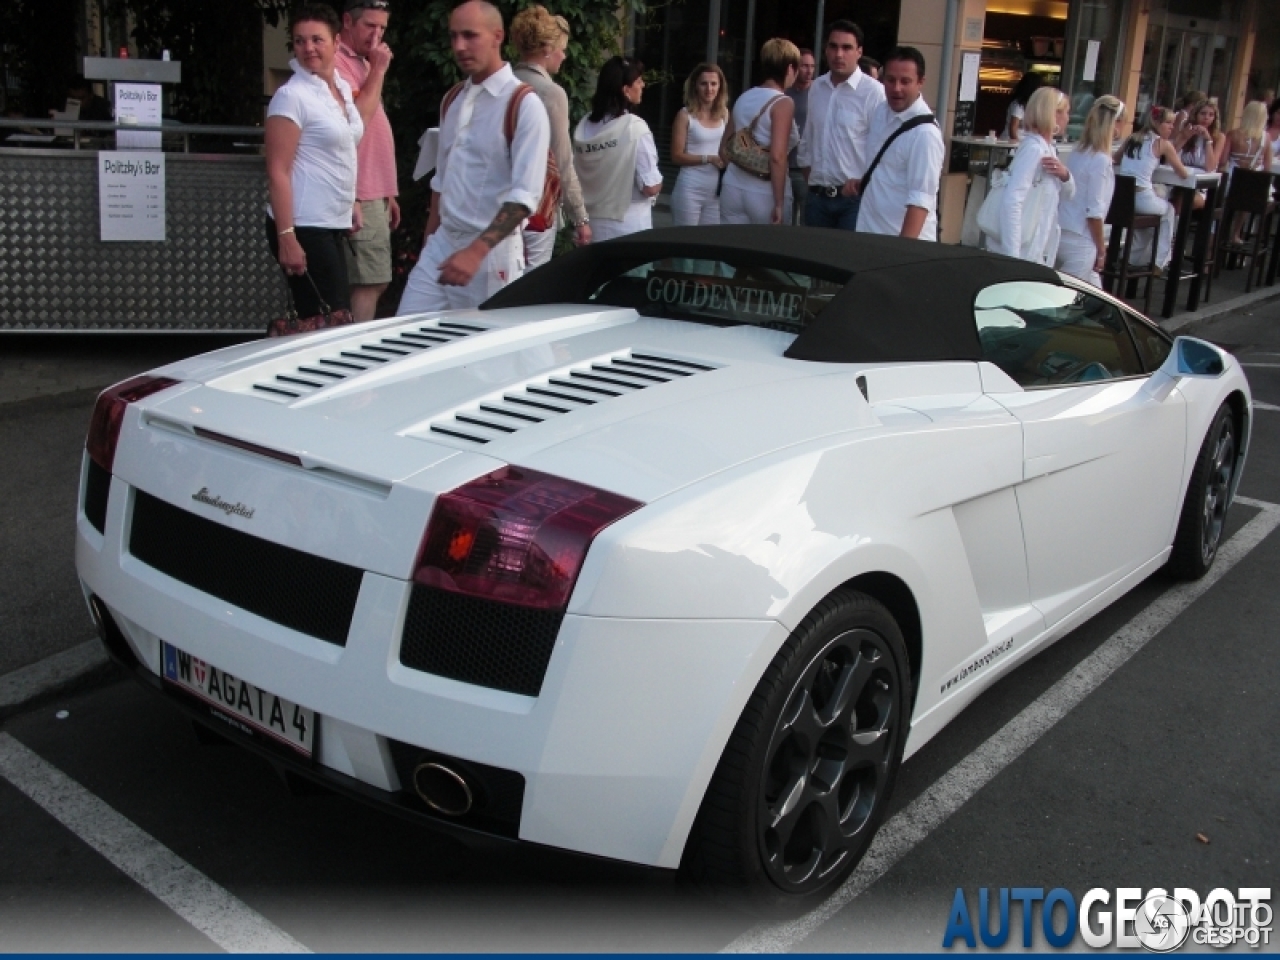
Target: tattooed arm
(458,270)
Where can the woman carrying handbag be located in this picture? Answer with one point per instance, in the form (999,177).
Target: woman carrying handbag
(760,133)
(1028,211)
(312,130)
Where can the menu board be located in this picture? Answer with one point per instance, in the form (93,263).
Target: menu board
(131,196)
(137,103)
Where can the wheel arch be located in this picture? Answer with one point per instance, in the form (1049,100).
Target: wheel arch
(1243,422)
(898,598)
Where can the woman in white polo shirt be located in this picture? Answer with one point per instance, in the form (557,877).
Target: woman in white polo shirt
(313,127)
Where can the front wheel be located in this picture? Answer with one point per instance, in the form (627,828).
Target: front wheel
(1204,509)
(805,778)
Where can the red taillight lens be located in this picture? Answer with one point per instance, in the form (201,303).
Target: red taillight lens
(108,414)
(515,535)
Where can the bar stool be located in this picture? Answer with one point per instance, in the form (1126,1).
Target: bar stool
(1124,221)
(1250,194)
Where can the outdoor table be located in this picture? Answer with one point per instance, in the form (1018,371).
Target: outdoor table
(1186,188)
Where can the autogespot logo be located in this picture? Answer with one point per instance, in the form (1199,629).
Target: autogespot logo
(1126,918)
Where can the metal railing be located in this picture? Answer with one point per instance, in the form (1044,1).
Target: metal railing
(78,127)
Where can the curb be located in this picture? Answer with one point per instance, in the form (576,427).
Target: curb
(52,676)
(1253,298)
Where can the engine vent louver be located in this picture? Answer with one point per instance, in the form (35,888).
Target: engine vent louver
(580,387)
(371,354)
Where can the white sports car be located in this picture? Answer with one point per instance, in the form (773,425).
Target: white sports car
(672,551)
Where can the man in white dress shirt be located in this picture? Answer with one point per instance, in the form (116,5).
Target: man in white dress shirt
(902,197)
(481,191)
(833,148)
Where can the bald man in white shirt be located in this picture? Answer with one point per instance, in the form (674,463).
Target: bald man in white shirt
(481,191)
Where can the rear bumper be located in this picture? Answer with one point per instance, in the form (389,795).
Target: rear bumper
(614,754)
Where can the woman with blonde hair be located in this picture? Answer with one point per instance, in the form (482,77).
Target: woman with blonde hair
(1145,150)
(541,39)
(748,197)
(1029,228)
(695,147)
(1082,249)
(1247,145)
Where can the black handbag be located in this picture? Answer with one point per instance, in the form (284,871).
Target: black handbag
(291,323)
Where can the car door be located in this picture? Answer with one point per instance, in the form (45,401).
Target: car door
(1103,446)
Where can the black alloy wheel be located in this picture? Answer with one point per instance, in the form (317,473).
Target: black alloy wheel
(806,776)
(1204,509)
(827,766)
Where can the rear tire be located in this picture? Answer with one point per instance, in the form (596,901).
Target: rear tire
(804,781)
(1204,509)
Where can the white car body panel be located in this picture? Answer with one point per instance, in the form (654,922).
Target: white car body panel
(767,483)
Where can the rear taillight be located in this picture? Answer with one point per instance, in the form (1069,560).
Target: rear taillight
(108,414)
(516,536)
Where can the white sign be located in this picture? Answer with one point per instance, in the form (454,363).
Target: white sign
(137,104)
(131,196)
(970,62)
(1091,61)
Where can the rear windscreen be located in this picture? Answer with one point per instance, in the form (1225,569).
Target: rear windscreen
(717,292)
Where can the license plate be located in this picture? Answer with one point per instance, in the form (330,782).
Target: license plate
(249,708)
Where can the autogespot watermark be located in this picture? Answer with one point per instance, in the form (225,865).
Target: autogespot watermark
(1125,918)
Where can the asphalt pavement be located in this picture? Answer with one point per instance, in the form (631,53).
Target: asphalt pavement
(1156,766)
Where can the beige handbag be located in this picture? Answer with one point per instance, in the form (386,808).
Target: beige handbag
(745,152)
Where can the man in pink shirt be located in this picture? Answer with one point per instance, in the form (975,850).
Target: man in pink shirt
(362,61)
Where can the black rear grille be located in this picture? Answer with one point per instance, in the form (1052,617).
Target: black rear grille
(498,793)
(298,590)
(478,641)
(97,488)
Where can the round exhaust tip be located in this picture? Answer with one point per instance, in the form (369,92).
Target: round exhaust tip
(443,790)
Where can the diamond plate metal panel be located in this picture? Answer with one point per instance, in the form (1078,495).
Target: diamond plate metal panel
(214,272)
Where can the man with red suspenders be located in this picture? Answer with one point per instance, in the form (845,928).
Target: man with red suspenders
(490,173)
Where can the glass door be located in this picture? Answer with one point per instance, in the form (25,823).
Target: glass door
(1181,55)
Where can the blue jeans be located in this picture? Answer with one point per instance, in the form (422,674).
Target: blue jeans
(839,212)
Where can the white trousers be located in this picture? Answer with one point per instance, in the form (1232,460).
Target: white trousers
(538,246)
(424,292)
(1076,257)
(694,201)
(1146,202)
(751,206)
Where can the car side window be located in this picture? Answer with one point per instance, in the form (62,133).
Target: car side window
(1042,334)
(1154,345)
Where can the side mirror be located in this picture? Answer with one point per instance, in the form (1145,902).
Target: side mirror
(1195,358)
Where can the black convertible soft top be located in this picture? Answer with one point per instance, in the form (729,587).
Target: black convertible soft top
(903,300)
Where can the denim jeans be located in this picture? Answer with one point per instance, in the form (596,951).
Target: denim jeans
(839,212)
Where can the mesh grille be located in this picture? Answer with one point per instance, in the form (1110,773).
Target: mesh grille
(97,487)
(298,590)
(478,641)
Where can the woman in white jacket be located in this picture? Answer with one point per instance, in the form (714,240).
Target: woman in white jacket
(1082,250)
(1037,179)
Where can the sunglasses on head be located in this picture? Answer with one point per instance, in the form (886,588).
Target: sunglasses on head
(368,5)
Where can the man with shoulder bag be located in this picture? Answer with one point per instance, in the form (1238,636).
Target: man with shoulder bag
(484,185)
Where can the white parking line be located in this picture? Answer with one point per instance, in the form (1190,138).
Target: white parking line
(227,921)
(1245,363)
(911,825)
(1259,405)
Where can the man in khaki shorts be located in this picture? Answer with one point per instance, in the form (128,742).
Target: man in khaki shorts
(362,61)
